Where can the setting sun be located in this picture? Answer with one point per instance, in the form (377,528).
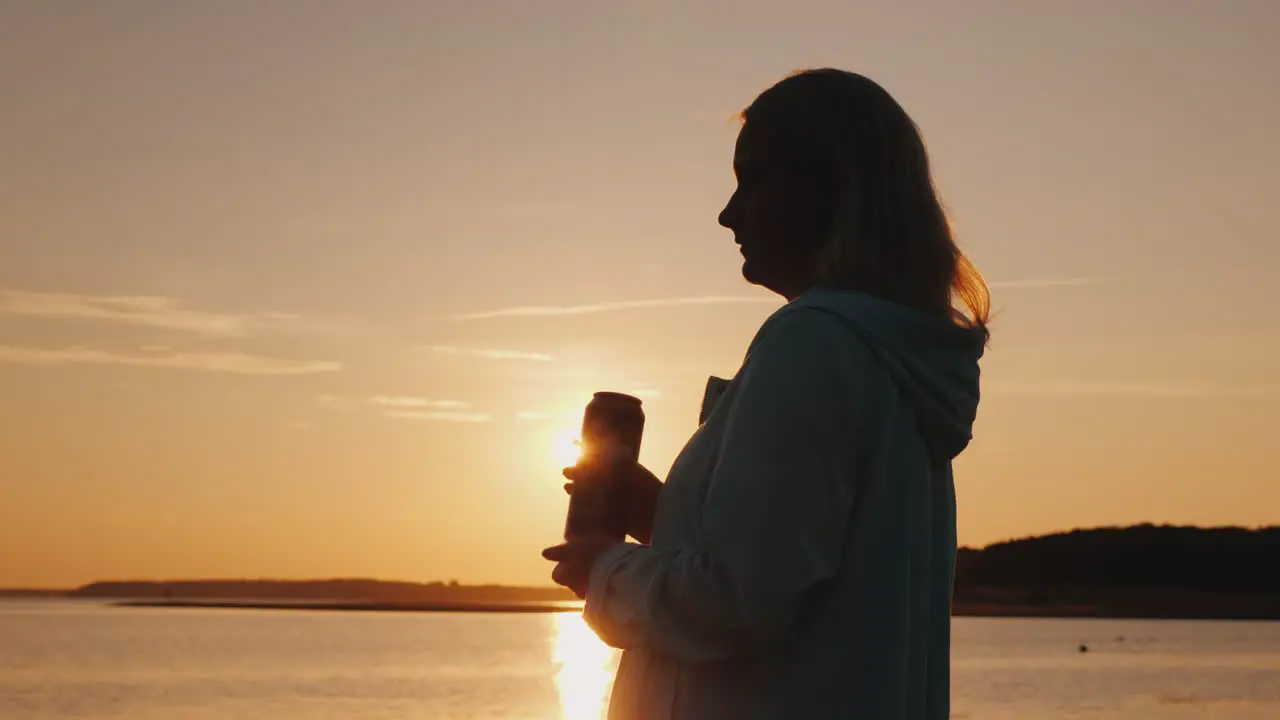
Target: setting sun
(567,447)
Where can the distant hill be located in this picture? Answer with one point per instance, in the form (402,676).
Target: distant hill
(1143,570)
(31,593)
(1138,571)
(1220,560)
(348,590)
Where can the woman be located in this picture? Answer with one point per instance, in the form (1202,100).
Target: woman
(803,545)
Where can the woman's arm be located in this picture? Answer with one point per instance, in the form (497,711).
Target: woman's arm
(773,522)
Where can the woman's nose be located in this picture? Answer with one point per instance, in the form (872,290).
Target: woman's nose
(727,217)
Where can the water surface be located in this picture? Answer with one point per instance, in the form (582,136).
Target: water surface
(62,660)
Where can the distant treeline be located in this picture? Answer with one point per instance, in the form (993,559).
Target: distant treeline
(31,593)
(355,590)
(1139,571)
(1233,561)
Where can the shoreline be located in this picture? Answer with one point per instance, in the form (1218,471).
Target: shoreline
(1083,612)
(349,606)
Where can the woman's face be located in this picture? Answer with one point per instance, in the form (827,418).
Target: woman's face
(778,218)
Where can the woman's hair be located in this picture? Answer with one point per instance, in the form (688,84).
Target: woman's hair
(888,235)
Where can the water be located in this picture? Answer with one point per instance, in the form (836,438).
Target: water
(62,660)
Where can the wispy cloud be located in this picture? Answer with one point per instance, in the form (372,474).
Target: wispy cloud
(411,407)
(140,310)
(405,402)
(491,354)
(1135,389)
(531,415)
(233,363)
(564,310)
(622,305)
(439,415)
(1051,282)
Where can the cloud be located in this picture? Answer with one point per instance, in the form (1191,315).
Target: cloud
(141,310)
(593,308)
(1134,389)
(148,311)
(411,407)
(439,415)
(566,310)
(531,415)
(233,363)
(491,354)
(1051,282)
(405,402)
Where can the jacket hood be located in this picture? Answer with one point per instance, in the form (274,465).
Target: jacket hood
(933,362)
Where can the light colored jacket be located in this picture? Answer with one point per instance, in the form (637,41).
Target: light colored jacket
(804,543)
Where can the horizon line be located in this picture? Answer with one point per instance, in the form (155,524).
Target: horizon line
(1048,533)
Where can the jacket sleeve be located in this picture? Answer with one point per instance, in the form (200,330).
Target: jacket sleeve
(775,514)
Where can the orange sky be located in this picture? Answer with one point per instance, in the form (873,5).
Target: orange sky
(249,254)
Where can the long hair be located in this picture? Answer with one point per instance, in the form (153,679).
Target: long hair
(888,234)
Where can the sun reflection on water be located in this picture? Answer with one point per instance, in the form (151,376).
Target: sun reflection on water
(584,668)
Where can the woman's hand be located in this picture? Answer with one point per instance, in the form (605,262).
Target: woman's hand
(642,489)
(574,560)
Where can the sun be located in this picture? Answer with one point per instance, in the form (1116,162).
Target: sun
(566,448)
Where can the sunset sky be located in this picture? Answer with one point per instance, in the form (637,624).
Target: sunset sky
(304,289)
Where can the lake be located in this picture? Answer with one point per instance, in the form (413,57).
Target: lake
(63,659)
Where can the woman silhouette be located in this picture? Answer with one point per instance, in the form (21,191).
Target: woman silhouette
(803,546)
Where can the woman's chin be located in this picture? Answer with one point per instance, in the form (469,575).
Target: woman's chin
(770,279)
(752,273)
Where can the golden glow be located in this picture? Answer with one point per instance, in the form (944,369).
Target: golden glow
(231,379)
(567,448)
(584,665)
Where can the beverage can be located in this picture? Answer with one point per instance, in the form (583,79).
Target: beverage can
(612,427)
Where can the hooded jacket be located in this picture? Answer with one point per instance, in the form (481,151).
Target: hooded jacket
(804,543)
